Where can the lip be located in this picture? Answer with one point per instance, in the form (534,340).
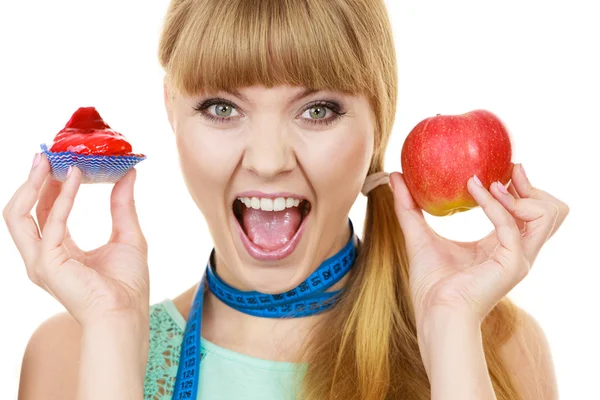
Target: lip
(270,255)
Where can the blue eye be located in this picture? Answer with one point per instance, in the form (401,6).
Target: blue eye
(224,108)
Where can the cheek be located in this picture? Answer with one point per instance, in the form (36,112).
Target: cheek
(208,159)
(355,156)
(340,161)
(350,155)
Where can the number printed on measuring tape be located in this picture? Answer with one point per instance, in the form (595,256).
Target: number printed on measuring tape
(186,382)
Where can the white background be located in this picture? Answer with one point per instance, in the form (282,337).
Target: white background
(534,64)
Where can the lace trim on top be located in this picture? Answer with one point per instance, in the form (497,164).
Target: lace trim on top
(163,355)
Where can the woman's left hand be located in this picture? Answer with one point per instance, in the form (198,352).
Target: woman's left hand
(472,277)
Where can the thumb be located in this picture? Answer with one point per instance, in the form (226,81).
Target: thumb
(125,224)
(417,232)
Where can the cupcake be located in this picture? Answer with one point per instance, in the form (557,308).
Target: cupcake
(90,144)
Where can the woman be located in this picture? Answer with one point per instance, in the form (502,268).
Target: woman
(282,112)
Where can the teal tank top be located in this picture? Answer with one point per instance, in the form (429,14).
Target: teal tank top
(225,374)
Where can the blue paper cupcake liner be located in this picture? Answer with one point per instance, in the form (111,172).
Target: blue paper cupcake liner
(95,168)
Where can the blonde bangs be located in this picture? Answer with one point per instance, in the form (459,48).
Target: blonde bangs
(211,45)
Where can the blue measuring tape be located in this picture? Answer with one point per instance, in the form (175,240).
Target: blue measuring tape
(308,298)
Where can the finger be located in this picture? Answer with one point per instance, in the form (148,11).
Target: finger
(55,229)
(125,224)
(492,282)
(68,281)
(50,191)
(24,195)
(511,189)
(525,190)
(417,232)
(539,215)
(17,213)
(507,231)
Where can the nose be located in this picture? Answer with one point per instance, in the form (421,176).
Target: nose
(268,152)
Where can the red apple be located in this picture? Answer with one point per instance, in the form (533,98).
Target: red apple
(441,153)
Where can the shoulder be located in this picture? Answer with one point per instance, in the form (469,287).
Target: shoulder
(526,354)
(54,343)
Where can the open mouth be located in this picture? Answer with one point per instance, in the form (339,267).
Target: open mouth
(270,228)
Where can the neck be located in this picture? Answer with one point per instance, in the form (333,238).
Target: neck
(268,338)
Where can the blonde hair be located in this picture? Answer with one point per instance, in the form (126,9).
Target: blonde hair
(368,346)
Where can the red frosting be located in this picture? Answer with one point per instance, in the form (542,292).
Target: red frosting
(87,133)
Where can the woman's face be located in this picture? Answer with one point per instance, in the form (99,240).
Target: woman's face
(297,161)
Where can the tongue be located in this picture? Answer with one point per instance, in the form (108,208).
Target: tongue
(271,230)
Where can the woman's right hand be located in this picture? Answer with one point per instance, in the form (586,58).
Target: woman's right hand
(109,281)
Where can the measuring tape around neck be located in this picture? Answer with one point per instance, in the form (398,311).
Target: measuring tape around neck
(308,298)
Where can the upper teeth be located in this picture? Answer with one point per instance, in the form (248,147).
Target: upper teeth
(278,204)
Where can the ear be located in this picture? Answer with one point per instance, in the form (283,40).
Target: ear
(168,99)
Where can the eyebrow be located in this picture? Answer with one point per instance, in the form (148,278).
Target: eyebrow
(304,93)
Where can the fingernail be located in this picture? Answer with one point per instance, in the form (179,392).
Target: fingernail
(69,170)
(523,171)
(477,181)
(502,188)
(36,160)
